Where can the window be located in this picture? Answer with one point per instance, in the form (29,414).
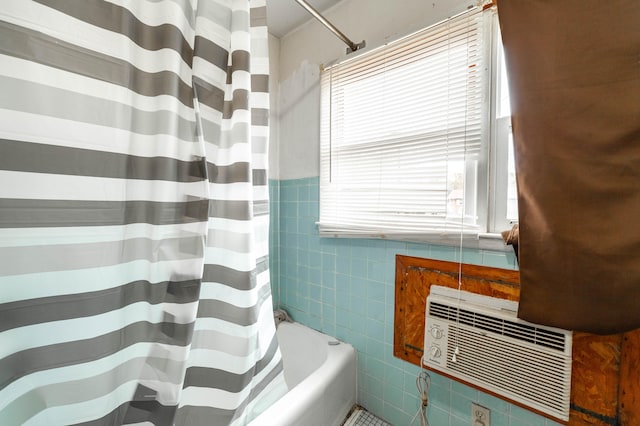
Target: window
(406,137)
(506,201)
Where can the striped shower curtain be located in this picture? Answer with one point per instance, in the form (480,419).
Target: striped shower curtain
(134,281)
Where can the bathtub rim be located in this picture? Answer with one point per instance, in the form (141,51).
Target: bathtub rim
(286,411)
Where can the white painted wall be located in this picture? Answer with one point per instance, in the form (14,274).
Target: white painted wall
(274,122)
(304,50)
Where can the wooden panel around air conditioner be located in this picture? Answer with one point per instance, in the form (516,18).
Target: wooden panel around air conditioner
(605,384)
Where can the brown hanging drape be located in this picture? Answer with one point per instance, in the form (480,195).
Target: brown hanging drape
(574,79)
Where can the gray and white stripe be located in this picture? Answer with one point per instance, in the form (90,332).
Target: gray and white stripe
(134,281)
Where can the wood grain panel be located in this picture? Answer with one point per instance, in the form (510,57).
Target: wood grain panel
(630,379)
(595,373)
(605,368)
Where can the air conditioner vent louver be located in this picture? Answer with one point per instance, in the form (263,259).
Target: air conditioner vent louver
(526,363)
(527,333)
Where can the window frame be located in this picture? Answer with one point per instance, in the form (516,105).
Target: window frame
(500,129)
(492,175)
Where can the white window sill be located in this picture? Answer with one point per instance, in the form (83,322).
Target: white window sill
(482,241)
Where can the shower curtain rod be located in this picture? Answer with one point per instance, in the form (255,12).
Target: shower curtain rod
(352,46)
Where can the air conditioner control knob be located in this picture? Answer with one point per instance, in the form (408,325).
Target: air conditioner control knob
(436,332)
(435,352)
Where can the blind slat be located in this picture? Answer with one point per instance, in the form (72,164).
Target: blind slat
(398,128)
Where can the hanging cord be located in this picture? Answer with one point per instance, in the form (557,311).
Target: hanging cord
(456,350)
(423,382)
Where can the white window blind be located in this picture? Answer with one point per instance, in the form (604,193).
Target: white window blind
(402,134)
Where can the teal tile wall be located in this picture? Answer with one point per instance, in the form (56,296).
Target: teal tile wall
(274,239)
(345,288)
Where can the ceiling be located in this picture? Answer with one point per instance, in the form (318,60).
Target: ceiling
(286,15)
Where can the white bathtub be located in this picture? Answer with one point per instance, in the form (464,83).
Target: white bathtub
(321,379)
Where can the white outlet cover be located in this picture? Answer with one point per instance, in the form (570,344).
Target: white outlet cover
(480,416)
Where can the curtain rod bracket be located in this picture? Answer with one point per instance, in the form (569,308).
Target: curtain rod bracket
(356,47)
(352,46)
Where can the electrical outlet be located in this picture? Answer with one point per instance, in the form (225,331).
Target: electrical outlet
(480,416)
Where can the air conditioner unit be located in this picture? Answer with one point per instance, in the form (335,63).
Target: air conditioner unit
(480,340)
